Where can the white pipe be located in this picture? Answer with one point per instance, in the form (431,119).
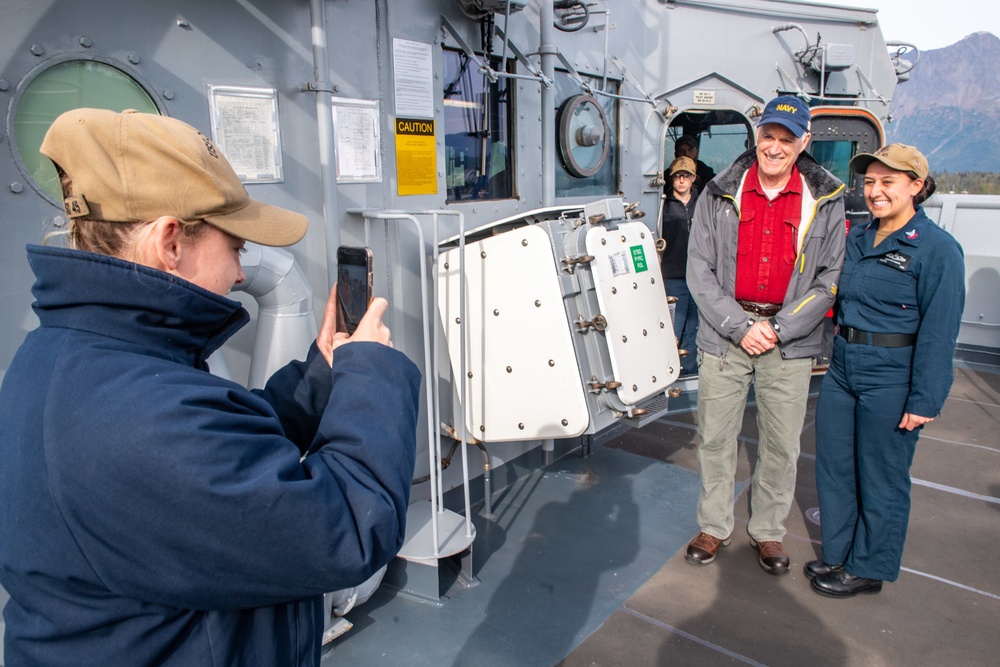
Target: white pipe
(548,450)
(547,50)
(324,131)
(218,365)
(286,326)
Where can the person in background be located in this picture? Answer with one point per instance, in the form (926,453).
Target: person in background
(675,226)
(764,257)
(687,146)
(899,310)
(153,513)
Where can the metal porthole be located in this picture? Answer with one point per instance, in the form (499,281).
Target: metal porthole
(62,83)
(584,137)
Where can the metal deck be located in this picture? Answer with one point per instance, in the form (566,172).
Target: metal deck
(583,564)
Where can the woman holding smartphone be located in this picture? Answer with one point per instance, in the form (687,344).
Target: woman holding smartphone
(149,508)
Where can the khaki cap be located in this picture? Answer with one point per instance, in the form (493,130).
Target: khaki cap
(683,164)
(895,156)
(134,167)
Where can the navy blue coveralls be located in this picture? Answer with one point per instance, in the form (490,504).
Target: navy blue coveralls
(913,282)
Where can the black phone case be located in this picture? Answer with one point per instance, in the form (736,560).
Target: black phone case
(354,284)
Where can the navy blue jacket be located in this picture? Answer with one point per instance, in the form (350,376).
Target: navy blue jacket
(152,513)
(913,282)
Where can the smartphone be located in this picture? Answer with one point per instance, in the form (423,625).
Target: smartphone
(354,285)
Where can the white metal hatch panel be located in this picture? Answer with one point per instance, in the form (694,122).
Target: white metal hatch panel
(522,376)
(640,335)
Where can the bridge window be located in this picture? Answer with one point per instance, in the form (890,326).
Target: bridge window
(587,135)
(835,156)
(477,116)
(71,84)
(838,134)
(722,136)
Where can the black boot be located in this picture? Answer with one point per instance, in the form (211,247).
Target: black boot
(842,584)
(815,568)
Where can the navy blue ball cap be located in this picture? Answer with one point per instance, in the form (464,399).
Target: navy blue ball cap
(789,111)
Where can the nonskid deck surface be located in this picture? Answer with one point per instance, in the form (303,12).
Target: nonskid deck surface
(583,564)
(567,546)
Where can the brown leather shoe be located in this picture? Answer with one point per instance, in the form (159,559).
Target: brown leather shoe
(772,557)
(702,549)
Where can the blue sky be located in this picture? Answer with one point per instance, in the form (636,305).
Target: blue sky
(932,24)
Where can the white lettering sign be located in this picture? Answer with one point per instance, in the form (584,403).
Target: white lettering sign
(704,97)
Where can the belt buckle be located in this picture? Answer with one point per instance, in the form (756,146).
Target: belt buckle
(755,307)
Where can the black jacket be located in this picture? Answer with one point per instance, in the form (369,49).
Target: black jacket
(675,226)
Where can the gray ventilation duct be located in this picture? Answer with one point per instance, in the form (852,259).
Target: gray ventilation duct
(286,326)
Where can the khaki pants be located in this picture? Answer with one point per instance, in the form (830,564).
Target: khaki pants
(782,389)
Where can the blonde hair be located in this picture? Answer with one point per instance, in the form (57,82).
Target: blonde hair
(116,239)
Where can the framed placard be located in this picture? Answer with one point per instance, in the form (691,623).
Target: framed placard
(245,128)
(357,139)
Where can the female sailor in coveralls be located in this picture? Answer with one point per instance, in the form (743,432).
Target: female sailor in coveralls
(902,291)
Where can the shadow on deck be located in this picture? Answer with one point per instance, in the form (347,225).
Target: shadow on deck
(944,609)
(582,564)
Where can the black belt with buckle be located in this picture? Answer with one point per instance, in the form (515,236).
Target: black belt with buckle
(761,309)
(852,335)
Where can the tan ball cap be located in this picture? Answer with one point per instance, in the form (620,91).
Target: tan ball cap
(895,156)
(685,164)
(133,167)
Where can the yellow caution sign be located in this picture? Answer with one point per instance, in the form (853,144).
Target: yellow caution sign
(416,158)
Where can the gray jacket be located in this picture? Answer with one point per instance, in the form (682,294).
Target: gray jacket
(711,269)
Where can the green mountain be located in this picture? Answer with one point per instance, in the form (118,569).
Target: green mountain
(950,107)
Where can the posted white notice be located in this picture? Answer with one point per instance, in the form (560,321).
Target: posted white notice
(356,132)
(413,78)
(245,128)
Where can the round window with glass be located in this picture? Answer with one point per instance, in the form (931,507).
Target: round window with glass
(70,84)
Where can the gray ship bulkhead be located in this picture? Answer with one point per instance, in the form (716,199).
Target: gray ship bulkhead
(590,114)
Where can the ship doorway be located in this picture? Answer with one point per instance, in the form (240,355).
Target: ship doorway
(713,139)
(719,136)
(838,134)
